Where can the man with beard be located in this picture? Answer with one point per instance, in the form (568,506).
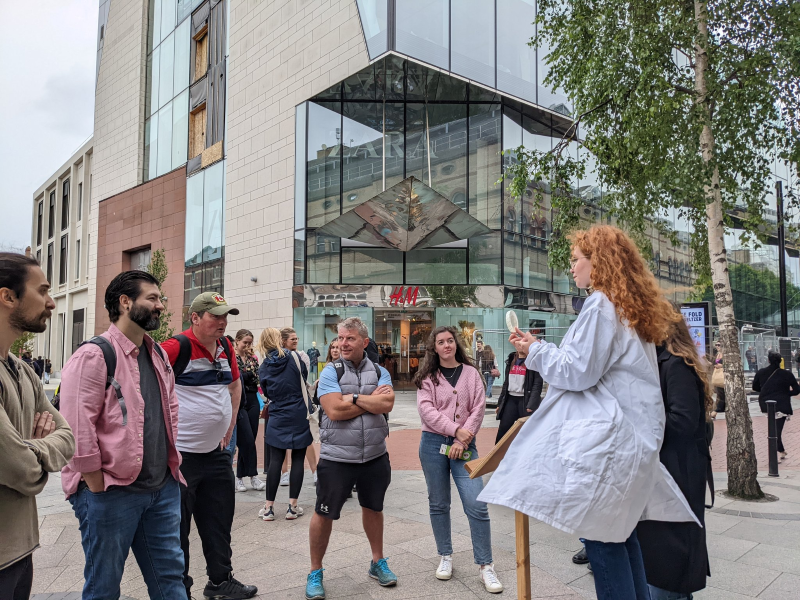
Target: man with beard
(123,482)
(209,390)
(34,439)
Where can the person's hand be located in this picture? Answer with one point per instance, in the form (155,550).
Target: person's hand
(456,450)
(383,389)
(530,410)
(42,425)
(497,410)
(464,436)
(227,439)
(94,481)
(522,341)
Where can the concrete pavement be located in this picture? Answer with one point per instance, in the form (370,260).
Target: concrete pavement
(754,547)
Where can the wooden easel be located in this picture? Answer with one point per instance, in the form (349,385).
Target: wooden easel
(487,464)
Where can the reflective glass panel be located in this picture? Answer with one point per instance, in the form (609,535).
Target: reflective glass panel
(472,38)
(394,115)
(516,61)
(180,129)
(324,162)
(371,265)
(374,24)
(148,150)
(164,164)
(484,163)
(154,66)
(484,259)
(438,266)
(512,259)
(299,257)
(394,67)
(323,258)
(423,30)
(512,139)
(166,71)
(213,212)
(167,17)
(182,53)
(184,9)
(194,220)
(555,100)
(154,36)
(362,153)
(364,85)
(300,168)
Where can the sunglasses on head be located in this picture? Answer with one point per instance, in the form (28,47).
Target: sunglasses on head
(218,369)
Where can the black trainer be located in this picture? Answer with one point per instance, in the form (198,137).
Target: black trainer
(229,590)
(580,558)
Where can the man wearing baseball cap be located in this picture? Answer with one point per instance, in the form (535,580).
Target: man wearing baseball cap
(209,390)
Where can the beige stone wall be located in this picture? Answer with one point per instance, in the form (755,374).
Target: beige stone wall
(118,116)
(282,52)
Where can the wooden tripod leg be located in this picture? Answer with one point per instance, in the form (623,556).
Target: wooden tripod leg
(522,533)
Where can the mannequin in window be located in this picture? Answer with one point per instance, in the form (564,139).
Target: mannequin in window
(313,357)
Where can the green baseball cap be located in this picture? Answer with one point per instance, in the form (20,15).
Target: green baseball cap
(212,302)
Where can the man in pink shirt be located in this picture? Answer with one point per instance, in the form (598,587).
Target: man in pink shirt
(123,482)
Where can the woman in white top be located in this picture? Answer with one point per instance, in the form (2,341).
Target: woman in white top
(587,460)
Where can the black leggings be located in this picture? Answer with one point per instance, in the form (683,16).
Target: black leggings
(246,432)
(276,456)
(779,423)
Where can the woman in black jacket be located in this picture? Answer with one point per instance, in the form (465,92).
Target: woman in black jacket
(774,383)
(521,393)
(675,554)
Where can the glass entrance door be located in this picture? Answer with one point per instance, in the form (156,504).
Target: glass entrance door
(401,336)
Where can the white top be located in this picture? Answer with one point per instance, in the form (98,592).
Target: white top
(587,460)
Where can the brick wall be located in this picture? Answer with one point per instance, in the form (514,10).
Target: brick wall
(151,214)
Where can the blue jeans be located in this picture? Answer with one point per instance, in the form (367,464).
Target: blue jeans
(117,520)
(489,382)
(231,449)
(618,569)
(659,594)
(437,469)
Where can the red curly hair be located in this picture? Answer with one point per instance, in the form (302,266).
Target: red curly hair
(619,271)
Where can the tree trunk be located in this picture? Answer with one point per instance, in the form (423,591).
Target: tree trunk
(742,465)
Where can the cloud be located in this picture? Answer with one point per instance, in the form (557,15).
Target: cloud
(66,104)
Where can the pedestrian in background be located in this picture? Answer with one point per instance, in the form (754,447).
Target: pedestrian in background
(521,393)
(124,481)
(282,374)
(35,439)
(249,411)
(451,404)
(586,462)
(675,554)
(489,368)
(48,368)
(775,383)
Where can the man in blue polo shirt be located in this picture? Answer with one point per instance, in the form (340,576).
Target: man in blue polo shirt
(353,430)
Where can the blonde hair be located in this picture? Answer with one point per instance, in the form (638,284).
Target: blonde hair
(269,340)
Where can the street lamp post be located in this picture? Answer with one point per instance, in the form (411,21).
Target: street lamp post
(782,259)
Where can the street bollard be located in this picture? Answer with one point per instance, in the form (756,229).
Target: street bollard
(772,433)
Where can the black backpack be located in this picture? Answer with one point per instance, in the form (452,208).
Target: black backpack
(185,353)
(110,358)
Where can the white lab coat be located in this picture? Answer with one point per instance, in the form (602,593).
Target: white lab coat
(587,460)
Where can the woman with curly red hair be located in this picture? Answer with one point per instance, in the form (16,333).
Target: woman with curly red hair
(587,460)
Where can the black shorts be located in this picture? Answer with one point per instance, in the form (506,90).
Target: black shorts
(335,481)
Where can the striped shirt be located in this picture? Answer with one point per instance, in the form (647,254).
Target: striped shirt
(204,401)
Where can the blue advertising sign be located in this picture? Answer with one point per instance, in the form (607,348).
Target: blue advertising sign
(696,315)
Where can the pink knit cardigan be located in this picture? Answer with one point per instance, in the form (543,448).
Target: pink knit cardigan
(444,409)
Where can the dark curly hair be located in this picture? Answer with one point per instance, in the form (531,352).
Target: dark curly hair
(429,366)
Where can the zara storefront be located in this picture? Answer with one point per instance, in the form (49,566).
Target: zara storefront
(404,221)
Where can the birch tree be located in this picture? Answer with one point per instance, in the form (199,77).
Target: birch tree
(686,106)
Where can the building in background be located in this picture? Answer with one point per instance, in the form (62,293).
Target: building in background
(247,138)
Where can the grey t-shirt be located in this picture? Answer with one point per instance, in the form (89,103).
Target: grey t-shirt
(155,469)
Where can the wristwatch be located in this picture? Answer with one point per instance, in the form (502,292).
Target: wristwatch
(355,398)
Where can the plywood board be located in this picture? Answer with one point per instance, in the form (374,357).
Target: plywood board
(490,462)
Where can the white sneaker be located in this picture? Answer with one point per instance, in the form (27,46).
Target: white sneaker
(293,512)
(285,479)
(445,570)
(240,485)
(489,579)
(315,477)
(266,514)
(257,484)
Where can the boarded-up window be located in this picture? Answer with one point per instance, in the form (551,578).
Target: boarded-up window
(201,56)
(197,131)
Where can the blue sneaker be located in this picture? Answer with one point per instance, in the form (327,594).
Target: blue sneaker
(381,571)
(314,587)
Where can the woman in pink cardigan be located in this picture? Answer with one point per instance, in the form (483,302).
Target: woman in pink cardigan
(451,403)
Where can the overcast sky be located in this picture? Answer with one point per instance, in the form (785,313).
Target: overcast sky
(47,100)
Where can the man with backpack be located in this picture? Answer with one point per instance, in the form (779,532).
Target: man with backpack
(355,394)
(118,395)
(209,391)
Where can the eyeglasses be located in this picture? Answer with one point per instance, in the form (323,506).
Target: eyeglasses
(218,368)
(574,261)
